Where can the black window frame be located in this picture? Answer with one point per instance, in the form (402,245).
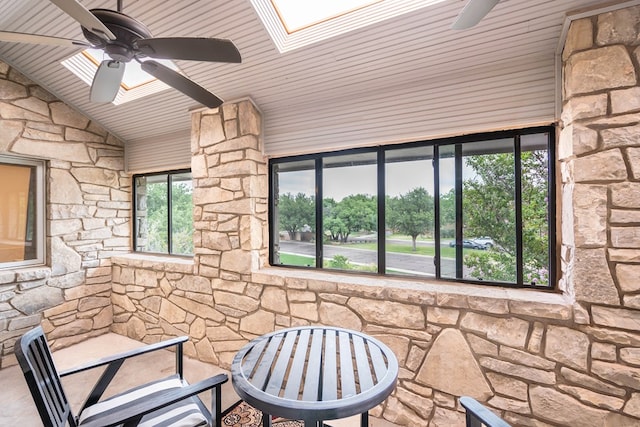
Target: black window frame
(134,204)
(457,142)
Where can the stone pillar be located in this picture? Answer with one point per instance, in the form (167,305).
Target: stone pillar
(599,153)
(230,193)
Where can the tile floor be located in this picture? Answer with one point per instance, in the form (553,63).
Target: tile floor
(18,408)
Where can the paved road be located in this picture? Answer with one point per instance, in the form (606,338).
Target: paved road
(409,263)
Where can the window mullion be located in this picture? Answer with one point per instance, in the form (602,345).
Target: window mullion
(518,197)
(169,214)
(459,216)
(551,206)
(382,256)
(319,212)
(436,208)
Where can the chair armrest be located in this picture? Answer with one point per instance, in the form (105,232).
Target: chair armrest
(120,415)
(478,413)
(124,355)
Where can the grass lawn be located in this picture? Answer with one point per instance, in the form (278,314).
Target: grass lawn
(300,260)
(309,261)
(445,251)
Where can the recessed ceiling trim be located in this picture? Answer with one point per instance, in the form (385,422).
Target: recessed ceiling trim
(328,28)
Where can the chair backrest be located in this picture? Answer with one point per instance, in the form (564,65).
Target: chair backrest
(478,415)
(34,357)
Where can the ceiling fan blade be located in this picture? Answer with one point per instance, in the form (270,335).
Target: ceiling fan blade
(473,13)
(181,83)
(84,17)
(190,48)
(8,36)
(106,81)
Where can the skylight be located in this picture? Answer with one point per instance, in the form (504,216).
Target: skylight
(135,83)
(296,23)
(296,14)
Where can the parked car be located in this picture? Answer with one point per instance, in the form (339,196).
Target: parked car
(485,241)
(468,244)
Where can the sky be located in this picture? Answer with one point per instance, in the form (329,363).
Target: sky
(341,182)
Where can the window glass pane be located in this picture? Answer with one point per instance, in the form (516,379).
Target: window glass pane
(152,214)
(350,212)
(409,211)
(295,214)
(181,214)
(18,213)
(535,205)
(489,211)
(447,179)
(492,214)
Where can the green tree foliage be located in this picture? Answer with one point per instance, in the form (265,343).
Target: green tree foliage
(357,212)
(341,262)
(157,214)
(448,214)
(296,211)
(330,221)
(411,213)
(181,216)
(488,201)
(489,210)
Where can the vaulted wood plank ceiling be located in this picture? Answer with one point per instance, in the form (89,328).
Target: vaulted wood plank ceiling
(407,78)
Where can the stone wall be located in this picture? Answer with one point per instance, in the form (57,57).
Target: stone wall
(536,359)
(88,215)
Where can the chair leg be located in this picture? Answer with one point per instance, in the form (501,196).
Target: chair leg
(364,419)
(216,403)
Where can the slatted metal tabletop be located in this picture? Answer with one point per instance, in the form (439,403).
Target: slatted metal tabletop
(314,373)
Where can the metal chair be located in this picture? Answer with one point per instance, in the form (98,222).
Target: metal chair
(478,415)
(166,402)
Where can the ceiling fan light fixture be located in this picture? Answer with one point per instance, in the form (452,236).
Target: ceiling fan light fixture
(106,81)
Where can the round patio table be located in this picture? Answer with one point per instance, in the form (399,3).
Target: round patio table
(314,373)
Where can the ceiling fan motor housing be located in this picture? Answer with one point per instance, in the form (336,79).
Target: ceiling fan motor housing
(126,29)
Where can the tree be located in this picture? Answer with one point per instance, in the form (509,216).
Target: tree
(489,209)
(156,219)
(330,222)
(357,212)
(295,212)
(181,218)
(448,214)
(411,213)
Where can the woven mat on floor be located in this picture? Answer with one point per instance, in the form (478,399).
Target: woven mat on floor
(244,415)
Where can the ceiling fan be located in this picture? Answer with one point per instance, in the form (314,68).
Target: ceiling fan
(472,13)
(124,39)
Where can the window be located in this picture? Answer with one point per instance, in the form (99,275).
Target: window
(21,212)
(473,209)
(164,213)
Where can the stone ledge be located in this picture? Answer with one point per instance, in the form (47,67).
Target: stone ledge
(157,262)
(412,288)
(26,272)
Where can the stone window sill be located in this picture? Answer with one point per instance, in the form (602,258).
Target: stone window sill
(24,273)
(491,299)
(156,262)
